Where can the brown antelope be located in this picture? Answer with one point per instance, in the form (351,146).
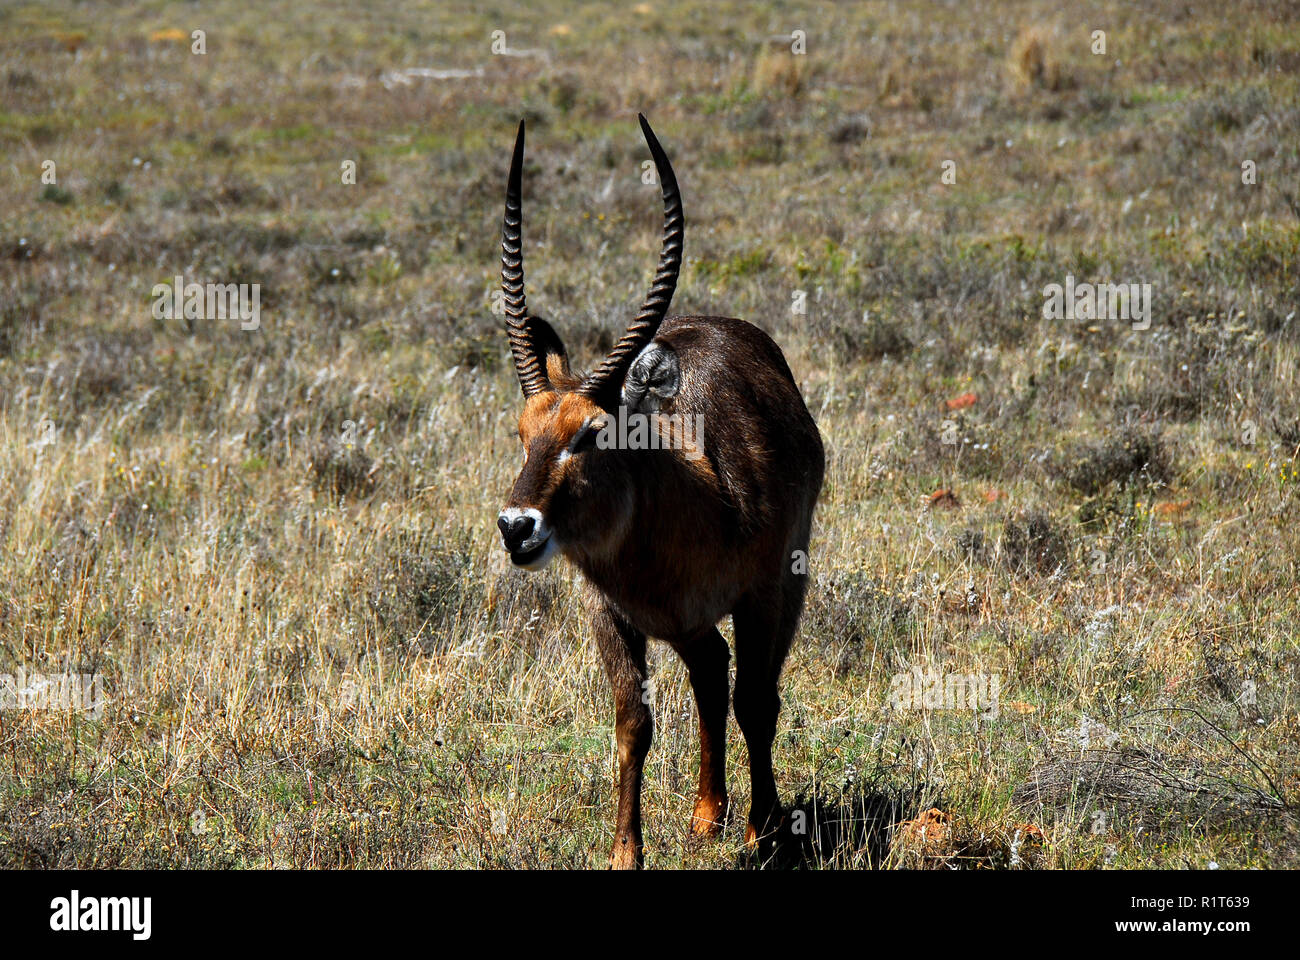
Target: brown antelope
(672,537)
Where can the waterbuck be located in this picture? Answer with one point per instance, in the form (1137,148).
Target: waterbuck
(671,537)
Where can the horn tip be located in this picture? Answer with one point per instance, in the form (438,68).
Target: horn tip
(517,159)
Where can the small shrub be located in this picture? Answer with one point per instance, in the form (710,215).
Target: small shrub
(846,617)
(1132,457)
(1034,543)
(420,592)
(342,470)
(972,545)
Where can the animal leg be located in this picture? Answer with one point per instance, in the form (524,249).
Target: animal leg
(622,649)
(706,657)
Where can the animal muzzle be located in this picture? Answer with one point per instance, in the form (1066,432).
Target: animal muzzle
(526,537)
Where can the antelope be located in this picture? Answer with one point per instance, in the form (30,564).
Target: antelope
(669,539)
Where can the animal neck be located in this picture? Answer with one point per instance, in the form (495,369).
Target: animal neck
(671,505)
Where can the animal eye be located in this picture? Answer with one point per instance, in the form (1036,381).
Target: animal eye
(586,440)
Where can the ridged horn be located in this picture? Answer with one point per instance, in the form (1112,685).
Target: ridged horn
(604,384)
(532,375)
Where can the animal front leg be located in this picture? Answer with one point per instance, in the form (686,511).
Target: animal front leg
(622,648)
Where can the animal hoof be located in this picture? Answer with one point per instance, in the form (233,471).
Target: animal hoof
(760,835)
(710,816)
(627,855)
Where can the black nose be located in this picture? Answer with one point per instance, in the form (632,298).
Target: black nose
(515,531)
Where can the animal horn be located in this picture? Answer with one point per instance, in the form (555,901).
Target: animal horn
(532,375)
(604,384)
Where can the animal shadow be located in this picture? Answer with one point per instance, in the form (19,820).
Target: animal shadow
(850,828)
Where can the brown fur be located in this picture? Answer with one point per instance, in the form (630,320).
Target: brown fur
(672,545)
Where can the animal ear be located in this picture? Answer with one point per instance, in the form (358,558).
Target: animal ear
(549,349)
(654,378)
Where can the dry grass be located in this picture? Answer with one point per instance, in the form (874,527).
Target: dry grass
(1034,61)
(311,652)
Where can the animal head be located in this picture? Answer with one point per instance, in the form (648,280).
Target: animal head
(570,491)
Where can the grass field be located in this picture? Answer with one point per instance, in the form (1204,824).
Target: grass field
(276,549)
